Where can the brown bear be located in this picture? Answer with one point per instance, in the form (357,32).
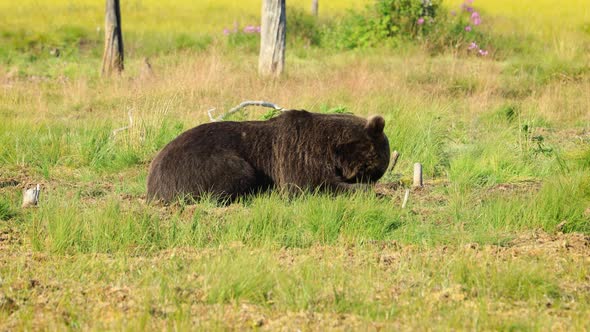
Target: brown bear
(297,149)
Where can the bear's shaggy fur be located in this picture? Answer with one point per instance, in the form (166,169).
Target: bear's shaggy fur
(296,149)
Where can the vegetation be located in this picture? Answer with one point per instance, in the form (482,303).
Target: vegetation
(497,239)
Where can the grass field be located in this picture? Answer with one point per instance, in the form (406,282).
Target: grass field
(498,239)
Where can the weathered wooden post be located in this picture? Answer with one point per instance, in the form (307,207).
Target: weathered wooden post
(112,59)
(418,175)
(272,38)
(314,7)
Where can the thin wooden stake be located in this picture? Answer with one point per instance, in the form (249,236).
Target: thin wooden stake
(394,158)
(406,197)
(418,175)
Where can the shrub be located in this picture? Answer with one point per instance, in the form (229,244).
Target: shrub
(391,22)
(385,21)
(302,28)
(460,31)
(407,17)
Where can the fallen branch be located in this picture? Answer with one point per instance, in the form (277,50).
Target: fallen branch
(240,106)
(210,113)
(116,131)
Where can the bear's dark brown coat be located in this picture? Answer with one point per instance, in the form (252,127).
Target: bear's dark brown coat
(296,149)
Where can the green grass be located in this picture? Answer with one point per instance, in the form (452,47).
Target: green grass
(467,291)
(95,221)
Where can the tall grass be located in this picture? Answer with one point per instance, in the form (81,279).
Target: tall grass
(95,147)
(100,222)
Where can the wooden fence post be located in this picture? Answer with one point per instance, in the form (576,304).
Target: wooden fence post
(272,38)
(314,7)
(112,59)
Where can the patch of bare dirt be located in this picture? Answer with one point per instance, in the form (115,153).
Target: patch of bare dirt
(425,194)
(10,239)
(18,179)
(520,187)
(388,188)
(540,242)
(318,322)
(7,304)
(8,183)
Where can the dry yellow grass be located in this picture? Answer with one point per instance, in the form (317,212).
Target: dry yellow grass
(189,86)
(546,17)
(149,15)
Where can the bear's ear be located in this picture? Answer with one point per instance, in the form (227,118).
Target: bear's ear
(375,125)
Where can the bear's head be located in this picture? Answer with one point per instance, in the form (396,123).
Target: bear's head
(364,156)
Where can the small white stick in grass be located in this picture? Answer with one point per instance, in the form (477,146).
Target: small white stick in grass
(116,131)
(31,196)
(242,105)
(406,197)
(418,175)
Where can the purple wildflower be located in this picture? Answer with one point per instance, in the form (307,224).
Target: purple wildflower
(468,28)
(468,1)
(420,21)
(476,18)
(257,29)
(249,29)
(465,7)
(482,52)
(472,46)
(226,31)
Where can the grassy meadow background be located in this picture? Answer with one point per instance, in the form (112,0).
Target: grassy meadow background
(496,240)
